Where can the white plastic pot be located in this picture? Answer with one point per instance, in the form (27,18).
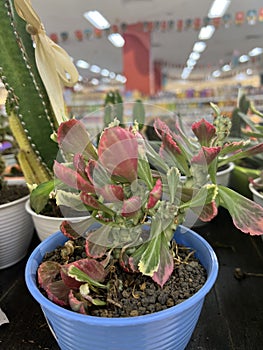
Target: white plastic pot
(16,231)
(46,225)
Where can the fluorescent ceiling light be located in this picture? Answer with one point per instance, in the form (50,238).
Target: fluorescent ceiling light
(112,75)
(216,73)
(226,68)
(199,46)
(121,78)
(105,72)
(96,19)
(218,8)
(243,58)
(194,56)
(190,62)
(94,81)
(249,71)
(116,39)
(186,72)
(82,64)
(206,32)
(256,51)
(95,69)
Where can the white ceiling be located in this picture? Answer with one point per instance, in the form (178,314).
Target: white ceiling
(171,46)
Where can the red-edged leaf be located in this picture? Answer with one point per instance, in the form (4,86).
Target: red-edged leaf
(118,152)
(74,138)
(58,292)
(94,250)
(247,215)
(47,273)
(68,231)
(70,282)
(76,304)
(166,265)
(207,212)
(206,155)
(155,194)
(131,206)
(204,131)
(72,178)
(111,193)
(91,267)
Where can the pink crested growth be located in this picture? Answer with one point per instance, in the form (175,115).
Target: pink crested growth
(155,194)
(118,152)
(204,131)
(206,155)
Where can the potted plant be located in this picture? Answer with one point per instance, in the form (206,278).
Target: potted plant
(137,201)
(256,188)
(16,228)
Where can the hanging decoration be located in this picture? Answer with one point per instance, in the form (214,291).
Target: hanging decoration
(250,17)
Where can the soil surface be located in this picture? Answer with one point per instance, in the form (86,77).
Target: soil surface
(132,294)
(9,193)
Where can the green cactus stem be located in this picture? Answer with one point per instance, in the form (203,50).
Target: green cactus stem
(27,97)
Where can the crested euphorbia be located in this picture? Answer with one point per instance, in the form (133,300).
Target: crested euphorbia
(136,196)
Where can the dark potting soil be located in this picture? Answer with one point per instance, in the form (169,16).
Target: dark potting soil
(10,193)
(132,294)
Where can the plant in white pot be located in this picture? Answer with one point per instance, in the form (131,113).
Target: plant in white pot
(131,242)
(16,227)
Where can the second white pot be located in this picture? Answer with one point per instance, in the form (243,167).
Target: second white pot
(46,225)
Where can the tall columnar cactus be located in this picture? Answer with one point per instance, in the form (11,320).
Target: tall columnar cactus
(31,115)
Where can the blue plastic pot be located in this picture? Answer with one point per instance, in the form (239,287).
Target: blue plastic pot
(170,329)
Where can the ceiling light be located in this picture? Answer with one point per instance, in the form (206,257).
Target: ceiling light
(95,69)
(216,73)
(256,51)
(112,75)
(249,71)
(190,62)
(218,8)
(121,78)
(243,58)
(96,19)
(226,68)
(194,56)
(94,81)
(206,32)
(82,64)
(199,46)
(105,72)
(186,72)
(116,39)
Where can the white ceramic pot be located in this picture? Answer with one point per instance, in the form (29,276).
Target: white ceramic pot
(16,231)
(46,225)
(257,196)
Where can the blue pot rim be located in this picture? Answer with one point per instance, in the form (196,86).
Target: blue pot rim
(45,303)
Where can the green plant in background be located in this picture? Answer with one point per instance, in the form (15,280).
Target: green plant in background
(31,116)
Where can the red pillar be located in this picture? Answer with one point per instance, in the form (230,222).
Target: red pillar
(137,66)
(157,77)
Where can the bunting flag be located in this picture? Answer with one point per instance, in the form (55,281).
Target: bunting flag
(250,17)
